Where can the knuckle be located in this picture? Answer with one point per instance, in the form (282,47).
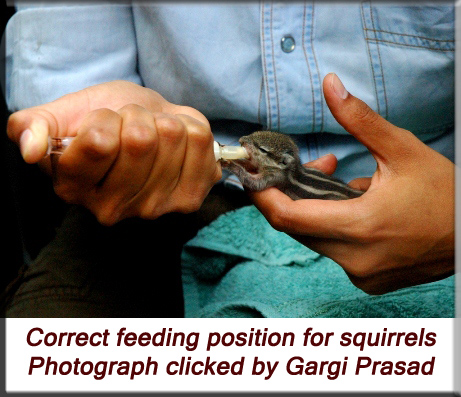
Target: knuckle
(200,135)
(103,114)
(170,128)
(139,140)
(130,108)
(98,145)
(45,115)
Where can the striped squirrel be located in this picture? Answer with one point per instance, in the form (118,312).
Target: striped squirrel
(274,161)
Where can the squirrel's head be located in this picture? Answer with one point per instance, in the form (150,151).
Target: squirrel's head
(271,150)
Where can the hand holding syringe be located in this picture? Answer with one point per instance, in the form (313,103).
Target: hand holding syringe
(57,145)
(134,153)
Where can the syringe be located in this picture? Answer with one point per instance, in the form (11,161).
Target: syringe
(57,145)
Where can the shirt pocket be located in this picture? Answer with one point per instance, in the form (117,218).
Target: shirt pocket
(411,54)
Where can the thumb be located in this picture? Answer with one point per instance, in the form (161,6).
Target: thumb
(386,142)
(30,128)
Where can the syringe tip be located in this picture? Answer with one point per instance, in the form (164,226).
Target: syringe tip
(57,145)
(233,152)
(229,152)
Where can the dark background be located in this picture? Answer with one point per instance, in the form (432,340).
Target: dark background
(30,210)
(11,241)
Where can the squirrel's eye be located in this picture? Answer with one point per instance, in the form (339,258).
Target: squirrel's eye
(263,150)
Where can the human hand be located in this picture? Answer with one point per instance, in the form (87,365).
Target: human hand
(401,231)
(134,153)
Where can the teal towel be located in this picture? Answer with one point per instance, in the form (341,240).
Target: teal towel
(239,266)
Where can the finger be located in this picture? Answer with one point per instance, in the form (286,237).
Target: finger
(86,162)
(133,165)
(153,199)
(360,183)
(326,164)
(200,170)
(319,218)
(385,141)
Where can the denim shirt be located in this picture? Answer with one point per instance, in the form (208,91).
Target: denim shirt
(261,63)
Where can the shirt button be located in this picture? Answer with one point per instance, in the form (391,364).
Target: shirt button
(288,43)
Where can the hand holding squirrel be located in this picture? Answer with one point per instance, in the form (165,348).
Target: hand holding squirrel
(400,232)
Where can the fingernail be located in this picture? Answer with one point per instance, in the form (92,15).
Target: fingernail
(338,87)
(25,142)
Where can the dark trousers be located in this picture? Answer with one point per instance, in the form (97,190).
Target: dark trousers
(131,269)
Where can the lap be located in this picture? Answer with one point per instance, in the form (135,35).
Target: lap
(131,269)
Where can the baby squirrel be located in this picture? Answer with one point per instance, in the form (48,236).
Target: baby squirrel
(274,161)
